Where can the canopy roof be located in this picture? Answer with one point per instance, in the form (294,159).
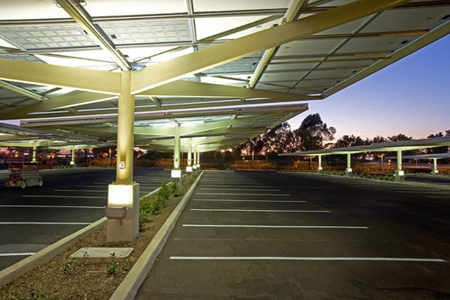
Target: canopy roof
(383,147)
(204,65)
(425,156)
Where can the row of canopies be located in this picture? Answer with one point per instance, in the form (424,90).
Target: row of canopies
(398,147)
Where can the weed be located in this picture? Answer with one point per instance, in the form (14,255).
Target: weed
(116,267)
(33,294)
(73,265)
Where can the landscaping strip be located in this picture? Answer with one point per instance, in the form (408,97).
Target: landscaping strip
(45,255)
(48,253)
(136,276)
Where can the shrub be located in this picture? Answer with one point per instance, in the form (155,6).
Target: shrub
(34,294)
(157,204)
(165,190)
(73,265)
(116,267)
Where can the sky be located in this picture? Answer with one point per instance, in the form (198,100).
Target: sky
(411,96)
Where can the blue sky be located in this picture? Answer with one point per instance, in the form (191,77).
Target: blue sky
(411,96)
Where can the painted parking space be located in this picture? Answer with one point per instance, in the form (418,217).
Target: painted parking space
(33,218)
(371,242)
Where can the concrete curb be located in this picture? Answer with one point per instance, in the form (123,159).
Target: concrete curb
(416,184)
(134,279)
(45,255)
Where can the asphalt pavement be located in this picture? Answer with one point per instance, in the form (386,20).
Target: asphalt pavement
(262,235)
(35,217)
(429,178)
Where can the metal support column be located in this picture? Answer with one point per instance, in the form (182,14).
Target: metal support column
(72,159)
(34,154)
(123,195)
(176,172)
(435,169)
(399,173)
(319,163)
(189,158)
(194,161)
(349,170)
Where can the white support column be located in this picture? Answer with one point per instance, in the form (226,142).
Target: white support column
(435,169)
(72,159)
(34,154)
(176,171)
(198,160)
(189,158)
(399,173)
(194,163)
(319,163)
(123,195)
(349,170)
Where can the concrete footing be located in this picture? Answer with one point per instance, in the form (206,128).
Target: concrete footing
(126,228)
(399,176)
(348,171)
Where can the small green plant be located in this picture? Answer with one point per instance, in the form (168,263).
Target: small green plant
(116,267)
(158,204)
(33,294)
(73,265)
(145,209)
(165,190)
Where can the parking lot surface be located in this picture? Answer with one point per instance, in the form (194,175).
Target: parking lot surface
(428,178)
(258,235)
(35,217)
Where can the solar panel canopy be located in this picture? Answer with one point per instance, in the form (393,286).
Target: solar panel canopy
(222,72)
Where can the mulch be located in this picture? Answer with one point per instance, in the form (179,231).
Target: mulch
(91,281)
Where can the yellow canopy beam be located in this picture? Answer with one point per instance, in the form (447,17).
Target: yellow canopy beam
(81,79)
(184,88)
(173,69)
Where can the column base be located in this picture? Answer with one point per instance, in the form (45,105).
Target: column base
(348,171)
(435,171)
(127,228)
(72,163)
(319,169)
(175,174)
(189,169)
(399,176)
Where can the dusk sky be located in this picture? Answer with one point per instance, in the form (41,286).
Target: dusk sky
(411,96)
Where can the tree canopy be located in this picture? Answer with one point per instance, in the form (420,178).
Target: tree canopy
(314,134)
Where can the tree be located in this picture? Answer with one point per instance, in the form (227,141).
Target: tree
(349,140)
(443,149)
(399,137)
(378,139)
(313,133)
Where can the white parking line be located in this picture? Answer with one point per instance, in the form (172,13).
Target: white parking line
(140,184)
(86,191)
(393,259)
(89,186)
(243,189)
(259,210)
(232,183)
(44,223)
(262,201)
(16,254)
(417,192)
(52,206)
(245,194)
(222,183)
(274,226)
(62,196)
